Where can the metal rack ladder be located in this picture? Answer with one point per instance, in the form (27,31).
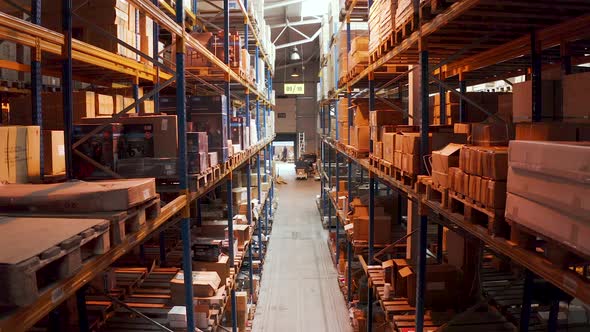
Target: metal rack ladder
(300,144)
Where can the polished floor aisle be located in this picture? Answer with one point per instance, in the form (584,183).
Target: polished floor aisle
(299,289)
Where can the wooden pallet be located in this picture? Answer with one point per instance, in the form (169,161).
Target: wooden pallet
(122,223)
(422,182)
(40,251)
(553,250)
(405,178)
(386,167)
(356,153)
(491,219)
(438,194)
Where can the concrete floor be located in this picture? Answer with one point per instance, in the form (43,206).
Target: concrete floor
(299,288)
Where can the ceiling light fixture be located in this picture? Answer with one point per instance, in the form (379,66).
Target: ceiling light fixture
(295,54)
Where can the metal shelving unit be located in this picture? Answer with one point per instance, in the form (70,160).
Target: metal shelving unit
(454,44)
(81,61)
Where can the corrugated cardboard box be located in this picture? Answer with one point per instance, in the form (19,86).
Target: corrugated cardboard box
(575,97)
(571,197)
(490,134)
(385,117)
(522,101)
(566,160)
(205,283)
(545,131)
(378,149)
(441,286)
(104,104)
(397,159)
(446,157)
(54,152)
(381,231)
(388,146)
(19,154)
(221,267)
(572,232)
(493,193)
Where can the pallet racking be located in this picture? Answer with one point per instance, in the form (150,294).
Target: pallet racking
(87,63)
(450,45)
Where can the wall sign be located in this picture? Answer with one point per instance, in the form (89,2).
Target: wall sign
(294,88)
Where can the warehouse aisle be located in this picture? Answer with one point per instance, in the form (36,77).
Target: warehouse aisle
(299,284)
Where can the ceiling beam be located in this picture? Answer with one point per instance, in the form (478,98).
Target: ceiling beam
(297,23)
(299,42)
(282,4)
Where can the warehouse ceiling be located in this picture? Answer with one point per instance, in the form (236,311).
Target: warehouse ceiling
(295,23)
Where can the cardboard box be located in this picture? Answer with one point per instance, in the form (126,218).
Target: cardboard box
(205,283)
(19,154)
(360,116)
(441,286)
(493,193)
(360,139)
(397,159)
(241,233)
(221,267)
(522,102)
(569,197)
(381,231)
(398,142)
(96,196)
(490,134)
(575,97)
(388,146)
(378,149)
(411,143)
(446,157)
(104,104)
(565,160)
(555,224)
(455,248)
(54,152)
(385,117)
(462,128)
(410,163)
(401,270)
(545,131)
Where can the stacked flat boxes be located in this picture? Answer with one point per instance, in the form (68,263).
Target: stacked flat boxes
(381,22)
(117,17)
(209,115)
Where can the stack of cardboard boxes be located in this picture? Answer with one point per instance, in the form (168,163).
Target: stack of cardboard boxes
(549,190)
(117,17)
(20,153)
(381,22)
(358,57)
(359,132)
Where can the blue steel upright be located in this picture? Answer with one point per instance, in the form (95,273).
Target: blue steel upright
(182,170)
(371,201)
(67,86)
(156,56)
(36,87)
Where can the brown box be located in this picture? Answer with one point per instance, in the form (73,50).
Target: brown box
(474,188)
(54,152)
(205,283)
(19,154)
(96,196)
(410,163)
(221,267)
(455,247)
(411,143)
(441,286)
(381,231)
(489,134)
(385,117)
(241,233)
(494,162)
(446,157)
(462,128)
(378,149)
(575,97)
(522,102)
(388,146)
(360,137)
(397,159)
(493,194)
(104,104)
(401,270)
(555,224)
(360,116)
(398,142)
(566,160)
(545,131)
(572,198)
